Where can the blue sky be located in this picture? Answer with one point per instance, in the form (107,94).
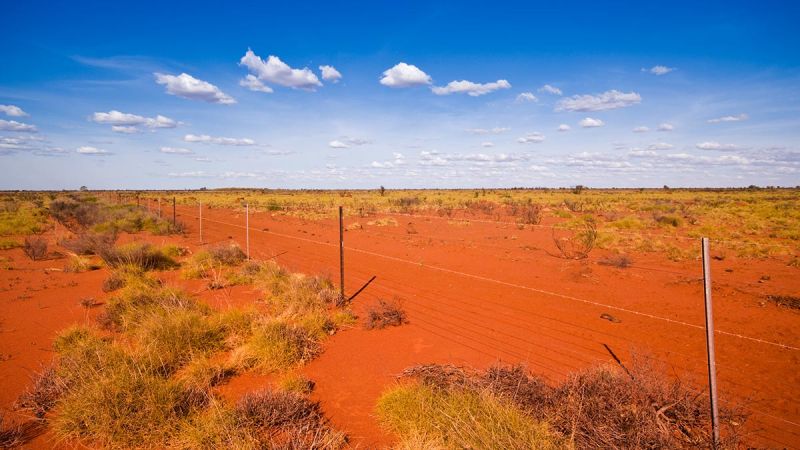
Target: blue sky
(147,95)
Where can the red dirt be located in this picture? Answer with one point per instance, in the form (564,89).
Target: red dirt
(475,295)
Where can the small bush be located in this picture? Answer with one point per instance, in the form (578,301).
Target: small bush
(8,244)
(789,301)
(35,247)
(618,261)
(384,314)
(90,243)
(78,264)
(296,383)
(141,255)
(276,345)
(42,396)
(578,244)
(114,282)
(229,255)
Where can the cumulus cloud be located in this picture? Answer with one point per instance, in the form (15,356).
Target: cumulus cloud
(347,142)
(13,125)
(275,71)
(563,127)
(642,129)
(13,111)
(470,88)
(737,118)
(612,99)
(405,75)
(176,151)
(124,129)
(254,84)
(531,138)
(589,122)
(87,150)
(550,89)
(659,70)
(126,123)
(666,127)
(495,130)
(329,73)
(714,145)
(660,146)
(206,139)
(187,86)
(526,97)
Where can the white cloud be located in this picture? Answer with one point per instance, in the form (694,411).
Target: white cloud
(470,88)
(659,70)
(187,86)
(381,165)
(738,118)
(347,142)
(495,130)
(666,127)
(254,84)
(526,97)
(660,146)
(206,139)
(531,138)
(589,122)
(13,111)
(124,129)
(176,151)
(612,99)
(275,71)
(329,73)
(550,89)
(13,125)
(405,75)
(714,145)
(642,129)
(127,123)
(87,150)
(487,144)
(563,127)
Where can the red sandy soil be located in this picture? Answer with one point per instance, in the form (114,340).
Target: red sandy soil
(476,294)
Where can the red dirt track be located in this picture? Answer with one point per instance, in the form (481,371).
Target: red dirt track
(477,294)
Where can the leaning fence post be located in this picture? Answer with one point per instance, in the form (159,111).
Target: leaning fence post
(200,205)
(247,227)
(712,364)
(341,254)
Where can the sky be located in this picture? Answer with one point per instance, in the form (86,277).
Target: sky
(180,95)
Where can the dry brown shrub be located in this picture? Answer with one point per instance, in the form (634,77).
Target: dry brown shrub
(577,244)
(602,407)
(618,261)
(384,314)
(229,255)
(35,247)
(789,301)
(90,243)
(13,435)
(42,395)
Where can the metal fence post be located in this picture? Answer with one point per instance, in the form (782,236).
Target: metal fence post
(174,215)
(200,205)
(712,364)
(247,227)
(341,254)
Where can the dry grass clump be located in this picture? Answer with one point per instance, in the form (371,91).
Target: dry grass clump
(78,264)
(276,345)
(213,262)
(294,382)
(35,247)
(618,261)
(137,254)
(577,244)
(603,407)
(42,395)
(427,417)
(384,314)
(789,301)
(90,243)
(14,435)
(229,255)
